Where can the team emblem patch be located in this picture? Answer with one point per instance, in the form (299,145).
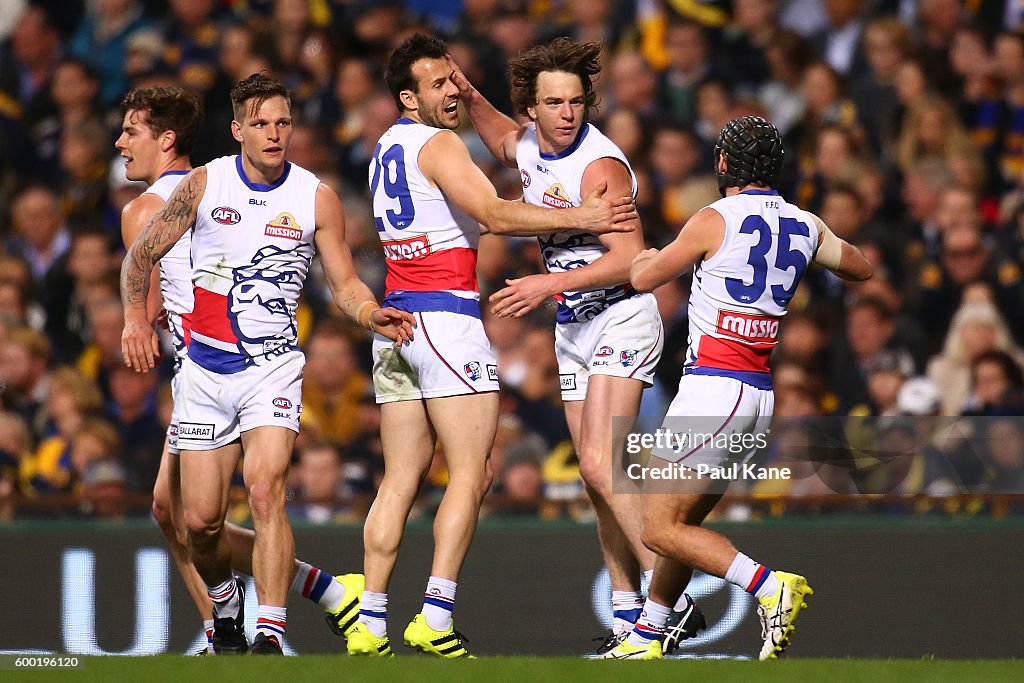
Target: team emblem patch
(472,370)
(225,215)
(284,226)
(556,197)
(627,357)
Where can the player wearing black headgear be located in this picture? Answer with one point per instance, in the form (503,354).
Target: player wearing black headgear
(753,153)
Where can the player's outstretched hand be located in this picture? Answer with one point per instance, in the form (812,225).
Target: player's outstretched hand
(521,296)
(601,214)
(459,78)
(139,346)
(392,323)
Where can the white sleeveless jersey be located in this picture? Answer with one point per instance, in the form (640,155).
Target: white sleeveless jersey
(740,295)
(553,180)
(251,250)
(176,273)
(430,244)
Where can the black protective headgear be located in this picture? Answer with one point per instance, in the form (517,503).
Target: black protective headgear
(753,153)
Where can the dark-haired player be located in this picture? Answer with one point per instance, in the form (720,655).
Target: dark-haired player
(748,251)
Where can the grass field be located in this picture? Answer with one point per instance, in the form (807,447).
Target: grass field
(526,669)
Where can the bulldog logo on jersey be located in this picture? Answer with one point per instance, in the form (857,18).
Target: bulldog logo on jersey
(472,370)
(627,357)
(284,226)
(556,197)
(257,306)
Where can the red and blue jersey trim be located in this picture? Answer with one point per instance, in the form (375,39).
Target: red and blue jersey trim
(432,302)
(453,268)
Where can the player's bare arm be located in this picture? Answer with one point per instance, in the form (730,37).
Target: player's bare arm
(139,344)
(351,294)
(445,161)
(524,294)
(499,132)
(700,238)
(839,256)
(134,217)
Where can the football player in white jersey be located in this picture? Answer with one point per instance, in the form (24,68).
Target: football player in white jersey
(254,219)
(608,337)
(429,200)
(748,251)
(158,130)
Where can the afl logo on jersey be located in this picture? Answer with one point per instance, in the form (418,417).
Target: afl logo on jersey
(556,197)
(283,403)
(284,226)
(225,215)
(526,177)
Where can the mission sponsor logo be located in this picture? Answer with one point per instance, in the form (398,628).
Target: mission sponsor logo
(409,248)
(284,226)
(747,327)
(195,431)
(225,215)
(556,197)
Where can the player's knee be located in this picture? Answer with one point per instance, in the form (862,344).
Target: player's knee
(266,496)
(162,513)
(595,476)
(201,527)
(653,537)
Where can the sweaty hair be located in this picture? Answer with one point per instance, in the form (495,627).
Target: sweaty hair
(258,88)
(398,71)
(168,108)
(561,54)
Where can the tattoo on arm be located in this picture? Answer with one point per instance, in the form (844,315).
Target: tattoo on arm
(157,238)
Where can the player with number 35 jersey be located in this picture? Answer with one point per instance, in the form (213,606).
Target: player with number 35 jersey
(748,252)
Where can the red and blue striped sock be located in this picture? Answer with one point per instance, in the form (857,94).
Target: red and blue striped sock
(438,603)
(752,577)
(317,586)
(271,621)
(226,599)
(651,624)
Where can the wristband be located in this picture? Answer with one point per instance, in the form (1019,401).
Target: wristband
(359,313)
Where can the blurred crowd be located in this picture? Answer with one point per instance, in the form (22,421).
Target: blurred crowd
(903,123)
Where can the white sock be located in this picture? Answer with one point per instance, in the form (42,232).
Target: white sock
(271,621)
(226,599)
(626,608)
(646,581)
(682,603)
(208,629)
(651,624)
(373,611)
(438,603)
(752,577)
(317,585)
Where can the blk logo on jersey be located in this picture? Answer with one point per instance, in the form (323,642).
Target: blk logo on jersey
(747,327)
(282,403)
(526,177)
(556,197)
(409,248)
(604,351)
(284,226)
(627,357)
(225,215)
(472,370)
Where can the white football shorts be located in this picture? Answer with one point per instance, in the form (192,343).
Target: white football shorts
(449,355)
(624,340)
(212,409)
